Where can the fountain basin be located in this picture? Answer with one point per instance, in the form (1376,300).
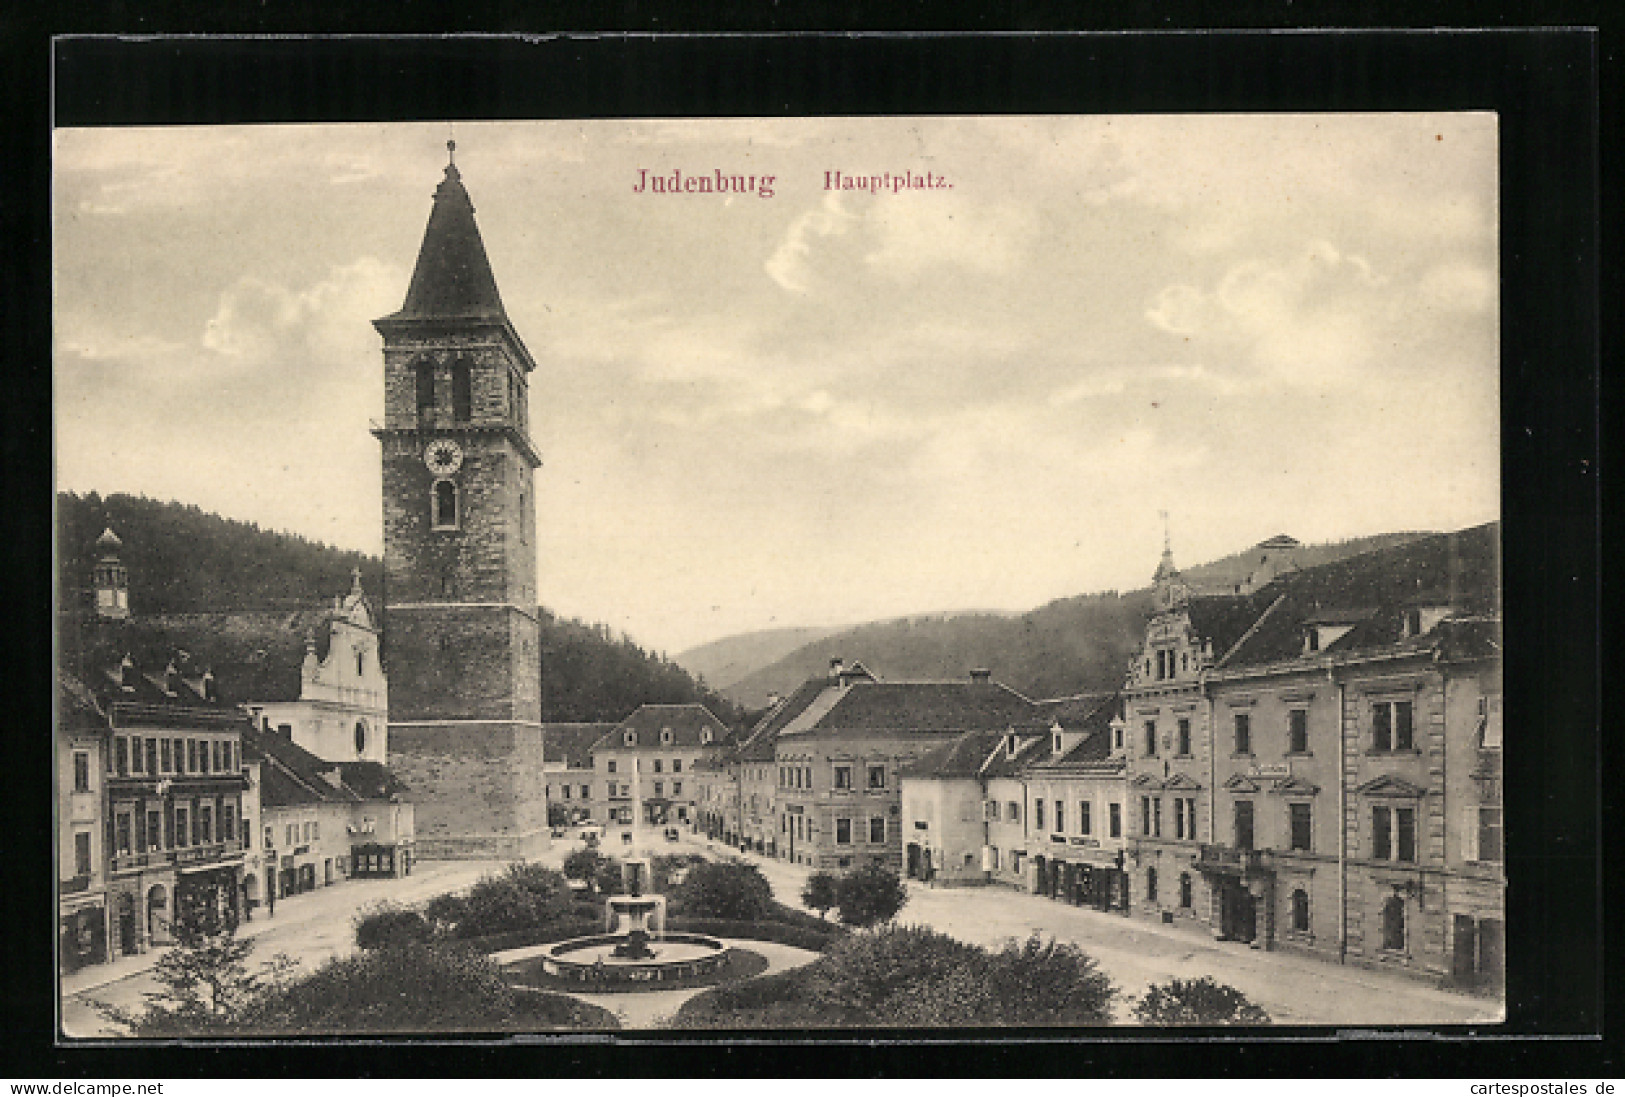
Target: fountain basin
(590,961)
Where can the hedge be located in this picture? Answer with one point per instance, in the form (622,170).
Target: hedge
(535,935)
(808,938)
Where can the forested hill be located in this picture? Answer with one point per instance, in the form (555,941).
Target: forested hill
(1067,646)
(185,560)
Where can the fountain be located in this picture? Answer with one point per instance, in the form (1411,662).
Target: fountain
(635,948)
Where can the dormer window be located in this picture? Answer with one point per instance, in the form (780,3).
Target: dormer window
(1311,640)
(1413,623)
(665,736)
(1055,743)
(630,738)
(705,735)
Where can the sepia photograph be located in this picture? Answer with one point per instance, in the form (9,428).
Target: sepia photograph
(785,574)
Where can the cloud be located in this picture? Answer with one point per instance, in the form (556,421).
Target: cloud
(923,232)
(259,323)
(790,265)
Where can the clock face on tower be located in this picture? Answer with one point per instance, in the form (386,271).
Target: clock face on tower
(443,456)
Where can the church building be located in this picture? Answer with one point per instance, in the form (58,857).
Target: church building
(460,602)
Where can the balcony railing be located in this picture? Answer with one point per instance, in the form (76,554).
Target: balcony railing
(73,884)
(1230,859)
(182,855)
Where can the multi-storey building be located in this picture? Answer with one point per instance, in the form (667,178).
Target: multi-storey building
(841,749)
(654,749)
(1074,784)
(569,771)
(81,852)
(1347,718)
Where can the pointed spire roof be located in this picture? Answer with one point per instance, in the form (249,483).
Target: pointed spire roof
(453,279)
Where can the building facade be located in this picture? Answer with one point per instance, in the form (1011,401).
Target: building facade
(569,770)
(81,839)
(651,755)
(459,519)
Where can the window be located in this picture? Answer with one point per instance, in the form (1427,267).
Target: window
(228,824)
(658,765)
(677,788)
(1382,834)
(877,830)
(843,777)
(677,765)
(1145,815)
(877,777)
(609,766)
(1489,834)
(1117,735)
(270,837)
(1060,817)
(155,830)
(1185,898)
(1300,911)
(183,835)
(660,788)
(1244,733)
(293,834)
(1038,814)
(1150,885)
(219,762)
(308,834)
(191,756)
(425,389)
(462,392)
(1114,819)
(166,756)
(81,854)
(1405,834)
(1391,726)
(1151,737)
(152,757)
(1190,818)
(360,736)
(665,736)
(1393,924)
(1055,743)
(230,752)
(444,505)
(1084,822)
(121,756)
(993,858)
(1299,817)
(81,771)
(1184,727)
(1012,811)
(566,792)
(1179,818)
(1244,824)
(247,833)
(1297,731)
(1156,817)
(205,825)
(843,832)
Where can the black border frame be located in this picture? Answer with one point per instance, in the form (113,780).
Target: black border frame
(1545,85)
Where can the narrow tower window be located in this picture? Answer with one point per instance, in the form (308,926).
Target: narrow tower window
(444,505)
(462,392)
(425,389)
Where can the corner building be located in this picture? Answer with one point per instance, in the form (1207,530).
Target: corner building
(460,606)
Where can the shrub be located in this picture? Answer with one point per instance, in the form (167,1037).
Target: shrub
(385,924)
(607,876)
(1197,1002)
(407,987)
(770,1001)
(870,894)
(725,889)
(898,975)
(582,864)
(545,887)
(813,940)
(524,896)
(445,910)
(819,894)
(1034,982)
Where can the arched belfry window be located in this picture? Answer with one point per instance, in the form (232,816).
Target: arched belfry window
(462,392)
(425,389)
(443,505)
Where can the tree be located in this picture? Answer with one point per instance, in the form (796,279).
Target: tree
(1038,982)
(558,815)
(725,889)
(582,864)
(386,924)
(207,986)
(1197,1002)
(819,894)
(870,894)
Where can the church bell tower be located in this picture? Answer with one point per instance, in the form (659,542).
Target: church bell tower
(460,606)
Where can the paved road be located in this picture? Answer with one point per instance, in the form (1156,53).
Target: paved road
(309,928)
(1293,989)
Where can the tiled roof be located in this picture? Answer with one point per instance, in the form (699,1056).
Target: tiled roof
(685,722)
(1371,593)
(113,677)
(1091,714)
(1225,618)
(255,655)
(572,743)
(372,780)
(867,707)
(77,707)
(291,775)
(962,757)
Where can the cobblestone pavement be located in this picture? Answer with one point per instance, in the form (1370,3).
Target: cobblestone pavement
(1135,953)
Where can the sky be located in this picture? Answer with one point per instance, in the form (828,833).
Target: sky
(821,406)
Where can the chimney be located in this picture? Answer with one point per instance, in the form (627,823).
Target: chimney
(835,667)
(208,686)
(172,678)
(773,699)
(981,676)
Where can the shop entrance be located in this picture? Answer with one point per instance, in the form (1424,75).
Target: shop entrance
(1238,913)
